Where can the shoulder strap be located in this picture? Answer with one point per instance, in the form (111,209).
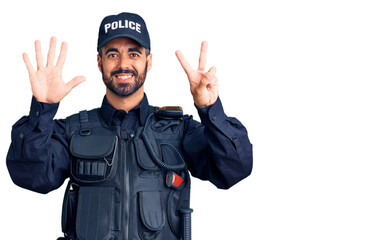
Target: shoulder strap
(82,122)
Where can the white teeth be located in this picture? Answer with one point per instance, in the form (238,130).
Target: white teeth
(124,77)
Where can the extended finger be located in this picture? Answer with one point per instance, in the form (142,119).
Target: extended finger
(52,51)
(63,54)
(185,65)
(28,64)
(38,54)
(74,82)
(202,60)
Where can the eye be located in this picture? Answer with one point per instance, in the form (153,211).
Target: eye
(134,55)
(112,55)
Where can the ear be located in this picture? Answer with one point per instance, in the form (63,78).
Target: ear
(149,62)
(99,59)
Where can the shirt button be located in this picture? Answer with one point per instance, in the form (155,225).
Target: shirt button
(37,113)
(21,135)
(131,135)
(214,117)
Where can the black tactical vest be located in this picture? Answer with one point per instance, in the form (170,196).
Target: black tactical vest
(126,185)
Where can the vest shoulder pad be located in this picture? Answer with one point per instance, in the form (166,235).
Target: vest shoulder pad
(169,112)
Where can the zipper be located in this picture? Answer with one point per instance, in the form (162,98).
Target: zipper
(128,143)
(126,186)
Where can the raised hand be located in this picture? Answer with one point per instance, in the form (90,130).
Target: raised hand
(46,83)
(203,85)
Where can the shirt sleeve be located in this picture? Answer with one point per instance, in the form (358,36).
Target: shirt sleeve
(38,158)
(217,149)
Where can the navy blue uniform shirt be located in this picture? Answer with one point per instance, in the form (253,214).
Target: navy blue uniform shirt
(217,149)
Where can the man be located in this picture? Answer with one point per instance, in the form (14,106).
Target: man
(128,162)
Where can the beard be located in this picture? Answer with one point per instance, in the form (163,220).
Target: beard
(124,89)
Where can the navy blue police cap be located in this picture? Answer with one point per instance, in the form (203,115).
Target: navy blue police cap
(125,24)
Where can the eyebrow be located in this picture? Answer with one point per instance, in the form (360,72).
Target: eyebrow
(135,50)
(129,50)
(111,50)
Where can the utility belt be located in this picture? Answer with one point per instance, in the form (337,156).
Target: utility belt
(126,184)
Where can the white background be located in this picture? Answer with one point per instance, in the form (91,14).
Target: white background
(310,80)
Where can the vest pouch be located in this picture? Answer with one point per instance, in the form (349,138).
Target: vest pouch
(167,151)
(68,221)
(144,158)
(94,157)
(96,213)
(152,214)
(171,152)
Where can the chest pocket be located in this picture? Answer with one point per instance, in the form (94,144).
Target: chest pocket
(154,148)
(95,157)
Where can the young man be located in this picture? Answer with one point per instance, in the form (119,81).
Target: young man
(127,161)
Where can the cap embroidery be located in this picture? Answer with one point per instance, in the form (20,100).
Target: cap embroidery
(125,24)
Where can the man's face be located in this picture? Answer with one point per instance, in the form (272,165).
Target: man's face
(124,66)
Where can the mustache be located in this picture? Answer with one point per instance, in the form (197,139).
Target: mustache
(119,71)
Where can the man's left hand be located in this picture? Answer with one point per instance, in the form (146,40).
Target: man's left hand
(203,85)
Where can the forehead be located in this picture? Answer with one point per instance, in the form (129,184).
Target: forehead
(122,42)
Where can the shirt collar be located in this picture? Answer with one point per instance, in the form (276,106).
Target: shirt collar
(108,110)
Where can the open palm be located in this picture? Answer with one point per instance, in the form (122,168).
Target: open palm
(46,82)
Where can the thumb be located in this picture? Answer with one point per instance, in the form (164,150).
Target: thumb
(74,82)
(211,73)
(209,77)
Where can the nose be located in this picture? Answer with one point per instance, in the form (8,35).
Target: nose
(124,62)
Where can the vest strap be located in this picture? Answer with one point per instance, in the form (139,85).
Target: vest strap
(84,123)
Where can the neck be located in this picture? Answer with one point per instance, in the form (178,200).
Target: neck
(125,103)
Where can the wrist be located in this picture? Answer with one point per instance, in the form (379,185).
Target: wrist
(201,105)
(42,113)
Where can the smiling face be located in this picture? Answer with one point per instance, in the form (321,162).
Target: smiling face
(124,65)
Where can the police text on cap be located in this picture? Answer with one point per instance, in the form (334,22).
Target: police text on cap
(126,24)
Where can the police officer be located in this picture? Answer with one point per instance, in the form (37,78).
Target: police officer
(128,163)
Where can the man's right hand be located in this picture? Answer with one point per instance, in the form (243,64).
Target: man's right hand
(46,83)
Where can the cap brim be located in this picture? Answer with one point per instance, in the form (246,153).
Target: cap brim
(141,42)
